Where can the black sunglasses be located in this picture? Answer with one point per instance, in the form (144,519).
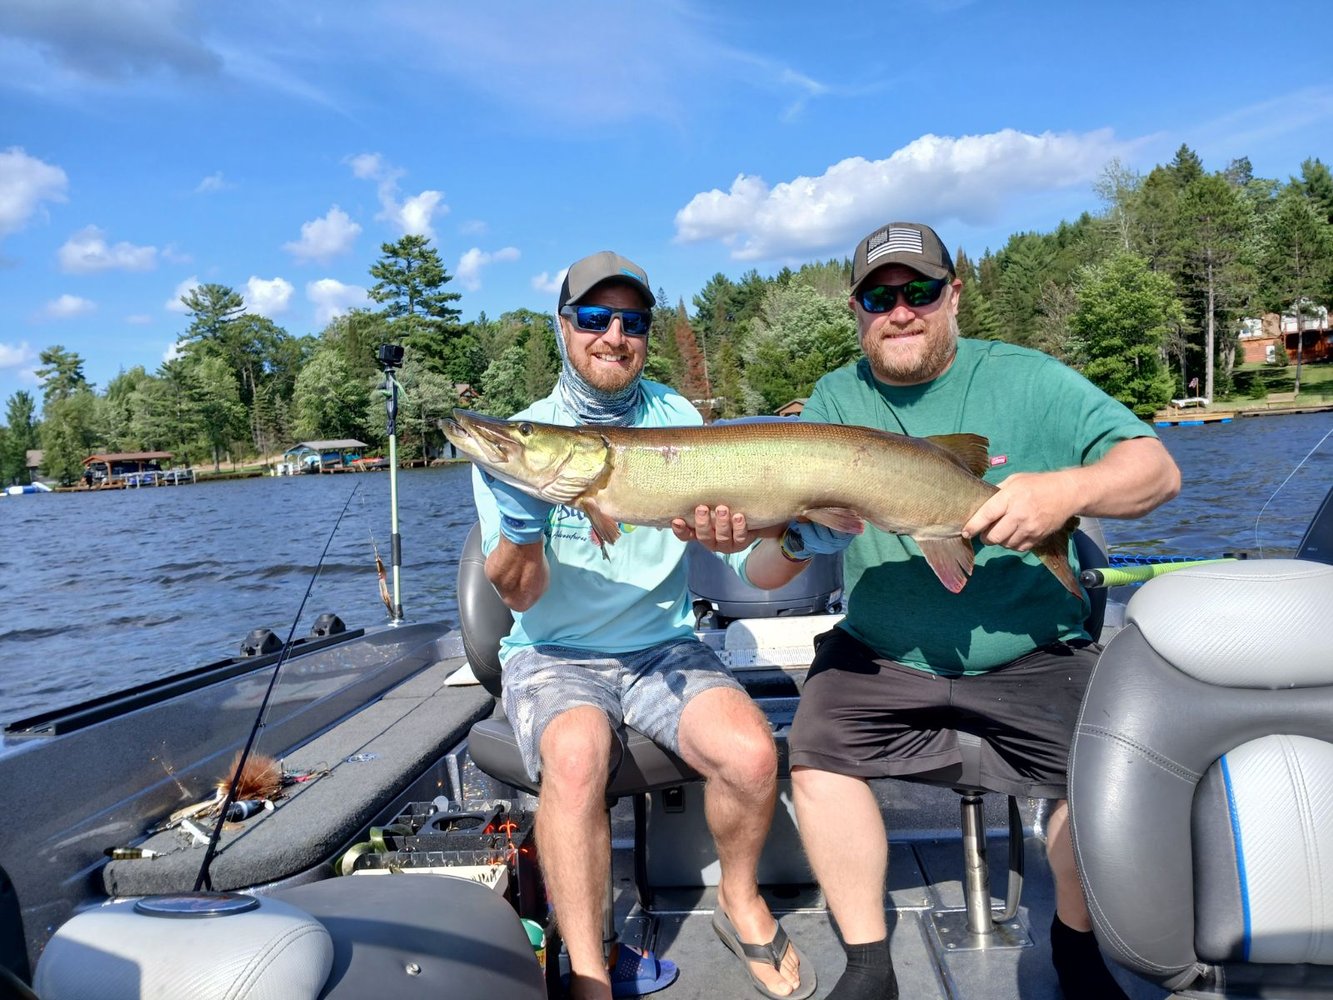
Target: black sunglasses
(918,293)
(596,319)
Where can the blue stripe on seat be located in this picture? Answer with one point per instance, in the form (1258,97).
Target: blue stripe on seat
(1240,854)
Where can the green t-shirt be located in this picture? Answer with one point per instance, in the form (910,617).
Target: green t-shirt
(1039,416)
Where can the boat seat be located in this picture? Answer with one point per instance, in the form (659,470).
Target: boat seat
(982,925)
(1201,782)
(638,765)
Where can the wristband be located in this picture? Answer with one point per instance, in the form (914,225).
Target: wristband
(787,553)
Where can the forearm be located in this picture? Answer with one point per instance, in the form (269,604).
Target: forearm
(768,569)
(519,573)
(1131,479)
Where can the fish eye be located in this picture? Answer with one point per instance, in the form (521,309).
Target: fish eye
(525,428)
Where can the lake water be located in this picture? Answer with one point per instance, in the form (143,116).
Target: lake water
(102,591)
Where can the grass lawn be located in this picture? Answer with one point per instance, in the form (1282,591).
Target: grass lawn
(1255,381)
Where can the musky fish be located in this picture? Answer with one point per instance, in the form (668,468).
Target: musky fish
(834,474)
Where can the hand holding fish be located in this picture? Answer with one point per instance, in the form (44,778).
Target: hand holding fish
(1027,508)
(717,529)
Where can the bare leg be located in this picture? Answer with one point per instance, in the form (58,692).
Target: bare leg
(574,840)
(1070,905)
(725,737)
(1078,963)
(844,837)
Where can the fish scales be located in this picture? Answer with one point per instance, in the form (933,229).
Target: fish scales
(772,472)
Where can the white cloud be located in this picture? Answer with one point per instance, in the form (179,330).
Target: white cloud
(14,355)
(87,250)
(332,298)
(545,282)
(471,263)
(67,306)
(174,350)
(139,319)
(413,214)
(267,296)
(174,304)
(26,182)
(322,239)
(473,227)
(937,178)
(112,41)
(213,182)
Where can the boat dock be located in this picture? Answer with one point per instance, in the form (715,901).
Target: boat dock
(1192,417)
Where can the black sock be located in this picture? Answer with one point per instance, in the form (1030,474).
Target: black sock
(869,974)
(1079,966)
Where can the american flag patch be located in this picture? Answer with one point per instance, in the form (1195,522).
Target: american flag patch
(893,240)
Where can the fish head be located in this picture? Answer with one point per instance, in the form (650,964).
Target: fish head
(558,464)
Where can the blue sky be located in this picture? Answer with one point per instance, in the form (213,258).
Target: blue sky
(146,145)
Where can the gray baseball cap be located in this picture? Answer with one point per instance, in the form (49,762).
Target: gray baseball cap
(911,244)
(583,275)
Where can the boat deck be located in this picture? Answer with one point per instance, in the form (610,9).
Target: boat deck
(933,956)
(408,743)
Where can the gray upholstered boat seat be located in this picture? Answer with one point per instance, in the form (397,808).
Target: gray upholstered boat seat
(1201,782)
(638,764)
(965,777)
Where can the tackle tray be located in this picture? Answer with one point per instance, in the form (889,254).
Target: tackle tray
(425,836)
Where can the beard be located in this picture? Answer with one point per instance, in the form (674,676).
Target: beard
(605,379)
(927,361)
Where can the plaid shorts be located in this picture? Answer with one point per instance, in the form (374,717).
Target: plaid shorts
(646,689)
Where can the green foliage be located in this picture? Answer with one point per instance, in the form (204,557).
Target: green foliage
(67,434)
(61,374)
(504,384)
(20,435)
(331,400)
(409,281)
(799,336)
(1124,313)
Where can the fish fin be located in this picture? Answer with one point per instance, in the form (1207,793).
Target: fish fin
(838,518)
(607,530)
(1054,555)
(950,558)
(971,451)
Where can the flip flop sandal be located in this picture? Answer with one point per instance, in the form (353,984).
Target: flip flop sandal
(637,974)
(771,953)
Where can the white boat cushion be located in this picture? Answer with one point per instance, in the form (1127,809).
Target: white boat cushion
(273,952)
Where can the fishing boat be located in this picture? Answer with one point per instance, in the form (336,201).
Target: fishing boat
(397,860)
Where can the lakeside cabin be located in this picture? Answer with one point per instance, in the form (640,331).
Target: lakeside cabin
(119,470)
(339,455)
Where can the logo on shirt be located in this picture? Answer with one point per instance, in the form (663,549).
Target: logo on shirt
(998,460)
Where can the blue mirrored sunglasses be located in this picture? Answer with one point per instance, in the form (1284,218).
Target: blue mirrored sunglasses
(918,293)
(596,319)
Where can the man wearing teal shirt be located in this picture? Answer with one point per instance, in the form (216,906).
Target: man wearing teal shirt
(1008,656)
(600,642)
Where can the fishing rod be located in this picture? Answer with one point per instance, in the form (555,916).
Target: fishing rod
(202,881)
(390,356)
(1121,576)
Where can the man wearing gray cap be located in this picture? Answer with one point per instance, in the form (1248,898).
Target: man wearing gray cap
(1007,658)
(601,642)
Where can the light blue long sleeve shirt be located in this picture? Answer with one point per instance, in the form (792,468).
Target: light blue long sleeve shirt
(635,599)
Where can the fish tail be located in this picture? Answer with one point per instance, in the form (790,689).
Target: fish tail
(1054,555)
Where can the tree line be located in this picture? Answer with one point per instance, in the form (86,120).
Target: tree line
(1143,297)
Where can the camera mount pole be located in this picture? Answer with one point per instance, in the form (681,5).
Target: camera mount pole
(396,542)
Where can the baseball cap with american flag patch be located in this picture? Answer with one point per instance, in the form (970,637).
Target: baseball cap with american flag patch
(911,244)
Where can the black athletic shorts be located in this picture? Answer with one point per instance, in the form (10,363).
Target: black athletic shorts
(869,717)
